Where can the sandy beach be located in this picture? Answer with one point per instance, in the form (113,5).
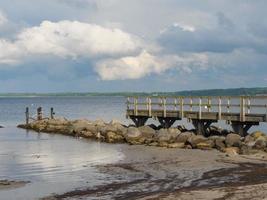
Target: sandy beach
(159,173)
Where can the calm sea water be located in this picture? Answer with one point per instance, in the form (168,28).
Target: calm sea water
(12,110)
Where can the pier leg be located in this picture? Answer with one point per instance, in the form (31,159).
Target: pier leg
(139,121)
(27,113)
(242,127)
(201,126)
(52,113)
(39,113)
(166,122)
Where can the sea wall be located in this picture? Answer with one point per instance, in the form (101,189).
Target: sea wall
(151,135)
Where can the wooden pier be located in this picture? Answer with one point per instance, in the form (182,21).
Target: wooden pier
(240,112)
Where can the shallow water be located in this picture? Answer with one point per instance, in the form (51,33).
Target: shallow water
(52,163)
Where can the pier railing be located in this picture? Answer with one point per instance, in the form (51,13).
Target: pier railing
(241,109)
(226,104)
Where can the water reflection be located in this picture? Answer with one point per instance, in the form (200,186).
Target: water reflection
(50,160)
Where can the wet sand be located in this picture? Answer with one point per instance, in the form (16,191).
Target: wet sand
(159,173)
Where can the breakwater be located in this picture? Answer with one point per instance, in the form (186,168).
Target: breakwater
(151,135)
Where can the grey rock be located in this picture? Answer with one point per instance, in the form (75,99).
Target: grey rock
(196,139)
(233,140)
(134,136)
(183,137)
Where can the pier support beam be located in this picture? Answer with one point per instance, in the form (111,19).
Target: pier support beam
(201,126)
(166,122)
(242,127)
(138,120)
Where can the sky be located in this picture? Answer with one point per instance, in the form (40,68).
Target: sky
(132,45)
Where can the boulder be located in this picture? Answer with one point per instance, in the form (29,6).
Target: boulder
(245,149)
(1,126)
(176,145)
(248,139)
(174,132)
(167,135)
(112,137)
(87,134)
(233,140)
(183,137)
(260,143)
(219,142)
(196,139)
(99,122)
(147,131)
(257,134)
(134,136)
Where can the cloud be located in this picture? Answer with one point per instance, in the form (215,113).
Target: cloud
(73,38)
(9,53)
(68,39)
(224,37)
(146,64)
(3,19)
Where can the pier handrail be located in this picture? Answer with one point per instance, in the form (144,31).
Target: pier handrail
(180,104)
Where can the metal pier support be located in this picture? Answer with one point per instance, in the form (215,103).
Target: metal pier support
(201,126)
(138,120)
(242,127)
(166,122)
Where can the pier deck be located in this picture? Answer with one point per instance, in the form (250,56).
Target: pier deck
(241,112)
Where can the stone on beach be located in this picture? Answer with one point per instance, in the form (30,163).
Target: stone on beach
(134,136)
(233,140)
(183,137)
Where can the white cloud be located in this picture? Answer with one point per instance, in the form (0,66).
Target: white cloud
(73,38)
(3,19)
(146,64)
(9,53)
(68,39)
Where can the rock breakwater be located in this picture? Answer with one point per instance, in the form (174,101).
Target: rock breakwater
(151,135)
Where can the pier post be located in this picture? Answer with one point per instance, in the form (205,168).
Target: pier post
(52,113)
(166,122)
(39,113)
(139,121)
(27,114)
(202,126)
(242,127)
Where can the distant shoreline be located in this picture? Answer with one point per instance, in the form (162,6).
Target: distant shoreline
(211,92)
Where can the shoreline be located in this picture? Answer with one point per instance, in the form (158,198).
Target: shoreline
(174,174)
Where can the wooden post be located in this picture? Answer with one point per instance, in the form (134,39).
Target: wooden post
(242,109)
(135,106)
(52,113)
(175,104)
(200,108)
(164,107)
(228,105)
(39,113)
(149,107)
(27,113)
(220,108)
(248,105)
(181,107)
(191,104)
(209,104)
